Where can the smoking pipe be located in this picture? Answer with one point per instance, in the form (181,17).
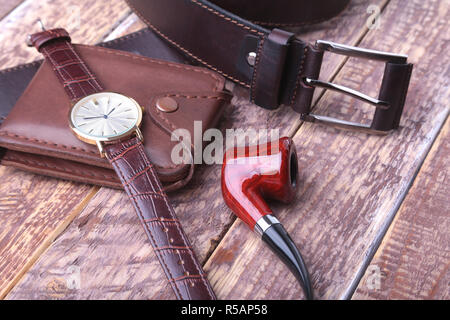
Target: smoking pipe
(251,174)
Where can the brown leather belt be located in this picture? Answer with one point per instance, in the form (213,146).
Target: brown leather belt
(279,69)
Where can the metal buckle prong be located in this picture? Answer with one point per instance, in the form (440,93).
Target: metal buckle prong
(351,52)
(41,24)
(355,94)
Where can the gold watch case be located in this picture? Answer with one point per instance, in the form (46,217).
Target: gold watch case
(98,111)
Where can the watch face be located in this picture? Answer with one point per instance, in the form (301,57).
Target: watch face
(105,116)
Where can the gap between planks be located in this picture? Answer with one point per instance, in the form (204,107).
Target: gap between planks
(431,136)
(379,238)
(336,72)
(296,127)
(8,8)
(74,213)
(49,240)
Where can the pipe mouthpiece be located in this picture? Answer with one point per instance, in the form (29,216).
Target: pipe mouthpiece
(284,247)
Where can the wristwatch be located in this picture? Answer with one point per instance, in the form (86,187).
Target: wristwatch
(111,121)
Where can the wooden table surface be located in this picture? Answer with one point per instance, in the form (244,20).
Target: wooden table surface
(371,215)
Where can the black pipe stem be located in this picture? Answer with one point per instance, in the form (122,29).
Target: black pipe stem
(284,247)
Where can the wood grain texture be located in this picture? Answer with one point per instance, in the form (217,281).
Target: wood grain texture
(108,233)
(352,183)
(8,5)
(414,257)
(199,205)
(128,25)
(87,22)
(35,209)
(108,245)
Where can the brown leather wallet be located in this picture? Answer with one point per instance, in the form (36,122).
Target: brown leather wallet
(38,139)
(233,38)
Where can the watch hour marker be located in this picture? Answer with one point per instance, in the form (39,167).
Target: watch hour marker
(105,115)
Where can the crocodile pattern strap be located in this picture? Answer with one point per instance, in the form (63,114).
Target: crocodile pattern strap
(72,72)
(136,173)
(163,229)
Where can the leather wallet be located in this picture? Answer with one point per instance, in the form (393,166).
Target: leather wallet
(38,139)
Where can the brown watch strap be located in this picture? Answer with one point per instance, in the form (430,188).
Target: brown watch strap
(72,72)
(136,173)
(168,239)
(276,66)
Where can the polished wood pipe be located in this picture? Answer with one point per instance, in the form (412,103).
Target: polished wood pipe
(251,174)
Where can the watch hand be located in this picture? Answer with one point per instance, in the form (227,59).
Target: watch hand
(87,118)
(107,105)
(111,111)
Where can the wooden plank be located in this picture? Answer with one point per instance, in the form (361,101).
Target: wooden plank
(87,22)
(35,209)
(128,25)
(413,259)
(108,245)
(199,205)
(7,5)
(352,183)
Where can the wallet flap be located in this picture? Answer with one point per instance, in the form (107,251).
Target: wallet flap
(38,123)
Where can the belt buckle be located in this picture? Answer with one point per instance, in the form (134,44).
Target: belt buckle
(379,104)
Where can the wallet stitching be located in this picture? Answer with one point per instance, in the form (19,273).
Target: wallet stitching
(22,66)
(16,136)
(112,51)
(124,38)
(165,119)
(160,62)
(6,133)
(42,164)
(161,116)
(176,95)
(185,50)
(124,149)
